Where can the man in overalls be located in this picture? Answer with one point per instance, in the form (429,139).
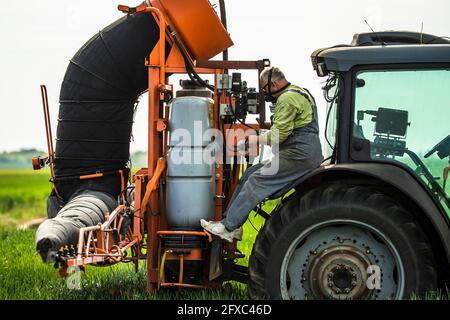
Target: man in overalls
(295,133)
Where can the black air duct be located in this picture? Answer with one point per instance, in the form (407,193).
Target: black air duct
(98,95)
(97,99)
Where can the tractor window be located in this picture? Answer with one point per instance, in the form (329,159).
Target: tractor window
(405,114)
(331,128)
(331,93)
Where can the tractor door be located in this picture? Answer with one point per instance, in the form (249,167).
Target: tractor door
(402,115)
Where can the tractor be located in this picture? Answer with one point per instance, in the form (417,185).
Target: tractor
(372,222)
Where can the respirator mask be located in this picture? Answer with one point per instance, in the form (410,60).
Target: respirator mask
(272,107)
(269,94)
(268,97)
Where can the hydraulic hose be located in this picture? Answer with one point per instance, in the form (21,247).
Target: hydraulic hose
(190,69)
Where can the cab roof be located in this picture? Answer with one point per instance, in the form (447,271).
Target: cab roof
(379,48)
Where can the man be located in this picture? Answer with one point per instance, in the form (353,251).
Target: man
(295,133)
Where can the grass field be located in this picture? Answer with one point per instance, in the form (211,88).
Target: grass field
(23,196)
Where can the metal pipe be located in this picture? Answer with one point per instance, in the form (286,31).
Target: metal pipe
(125,248)
(223,17)
(91,176)
(48,130)
(186,233)
(180,276)
(162,39)
(112,217)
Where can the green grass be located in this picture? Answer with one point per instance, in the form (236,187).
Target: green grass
(24,276)
(23,194)
(437,295)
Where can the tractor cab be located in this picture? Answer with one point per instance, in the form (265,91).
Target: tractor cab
(391,104)
(373,221)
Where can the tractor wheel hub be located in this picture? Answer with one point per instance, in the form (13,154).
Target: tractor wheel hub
(339,272)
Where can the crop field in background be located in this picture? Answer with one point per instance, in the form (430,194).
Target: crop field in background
(23,195)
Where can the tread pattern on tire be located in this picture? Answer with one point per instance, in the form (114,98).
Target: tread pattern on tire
(347,198)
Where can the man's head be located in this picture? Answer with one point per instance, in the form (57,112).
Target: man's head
(273,82)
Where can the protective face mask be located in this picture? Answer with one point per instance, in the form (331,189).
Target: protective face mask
(269,98)
(272,107)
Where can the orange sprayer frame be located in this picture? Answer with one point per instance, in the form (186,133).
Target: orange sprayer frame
(149,201)
(157,78)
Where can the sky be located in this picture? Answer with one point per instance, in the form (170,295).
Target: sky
(38,39)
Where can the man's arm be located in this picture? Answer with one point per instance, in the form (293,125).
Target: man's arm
(283,124)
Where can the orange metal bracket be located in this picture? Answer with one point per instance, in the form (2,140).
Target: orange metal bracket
(153,183)
(162,37)
(122,180)
(91,176)
(127,9)
(39,162)
(161,125)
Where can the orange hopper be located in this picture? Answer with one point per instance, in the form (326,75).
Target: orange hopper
(205,36)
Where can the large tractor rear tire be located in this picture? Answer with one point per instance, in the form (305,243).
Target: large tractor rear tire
(341,242)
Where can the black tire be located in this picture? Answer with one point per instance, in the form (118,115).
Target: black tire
(332,202)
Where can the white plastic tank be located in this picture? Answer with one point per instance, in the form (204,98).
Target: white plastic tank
(190,170)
